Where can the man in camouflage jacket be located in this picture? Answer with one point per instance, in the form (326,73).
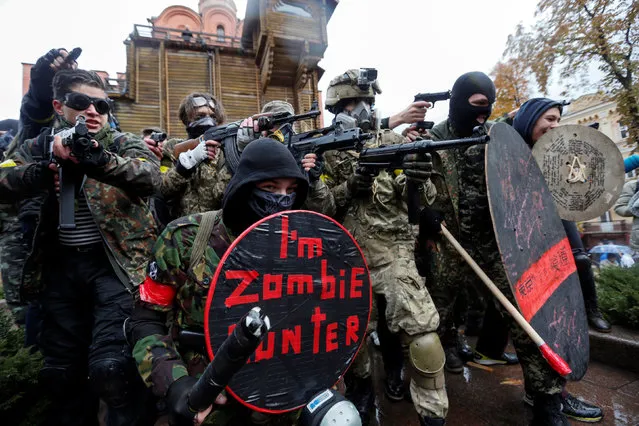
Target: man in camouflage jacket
(375,211)
(177,286)
(85,277)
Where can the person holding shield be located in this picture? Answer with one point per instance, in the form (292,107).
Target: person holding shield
(268,180)
(536,117)
(544,386)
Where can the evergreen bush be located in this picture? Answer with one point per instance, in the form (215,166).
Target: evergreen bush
(21,403)
(618,290)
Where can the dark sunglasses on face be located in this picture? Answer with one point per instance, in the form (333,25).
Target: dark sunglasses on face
(80,102)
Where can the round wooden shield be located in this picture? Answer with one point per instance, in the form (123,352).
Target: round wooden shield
(583,169)
(307,273)
(534,248)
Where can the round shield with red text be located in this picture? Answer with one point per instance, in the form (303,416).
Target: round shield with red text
(308,275)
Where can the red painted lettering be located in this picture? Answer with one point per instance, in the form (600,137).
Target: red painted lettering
(299,281)
(352,327)
(331,337)
(317,319)
(284,243)
(237,298)
(356,285)
(328,283)
(314,246)
(293,339)
(272,287)
(263,354)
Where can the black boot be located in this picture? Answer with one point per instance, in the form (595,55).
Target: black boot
(360,392)
(454,363)
(431,421)
(394,384)
(547,411)
(597,321)
(579,410)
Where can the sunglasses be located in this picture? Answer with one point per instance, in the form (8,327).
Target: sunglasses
(80,102)
(199,101)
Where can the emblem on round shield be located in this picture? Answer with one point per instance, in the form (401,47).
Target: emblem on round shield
(583,169)
(307,273)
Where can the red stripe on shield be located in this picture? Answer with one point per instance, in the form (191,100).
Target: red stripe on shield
(543,277)
(157,293)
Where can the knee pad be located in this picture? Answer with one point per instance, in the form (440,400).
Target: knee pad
(582,261)
(427,360)
(111,379)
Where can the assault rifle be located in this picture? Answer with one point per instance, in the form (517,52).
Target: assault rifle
(391,157)
(333,138)
(76,137)
(265,122)
(432,98)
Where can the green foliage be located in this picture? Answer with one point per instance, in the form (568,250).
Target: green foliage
(20,400)
(618,290)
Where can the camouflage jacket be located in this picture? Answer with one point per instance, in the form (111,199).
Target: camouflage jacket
(115,196)
(175,286)
(381,217)
(201,192)
(477,235)
(205,189)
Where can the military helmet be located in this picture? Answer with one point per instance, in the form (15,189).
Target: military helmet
(348,86)
(276,107)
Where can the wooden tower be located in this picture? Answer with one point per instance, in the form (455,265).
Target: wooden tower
(271,54)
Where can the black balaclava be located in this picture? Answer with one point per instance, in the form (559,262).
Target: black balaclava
(463,115)
(196,128)
(261,160)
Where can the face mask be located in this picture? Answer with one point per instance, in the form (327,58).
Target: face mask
(195,129)
(265,203)
(347,121)
(362,113)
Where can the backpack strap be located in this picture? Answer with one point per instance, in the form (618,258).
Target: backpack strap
(202,238)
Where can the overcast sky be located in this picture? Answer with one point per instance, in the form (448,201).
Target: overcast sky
(417,45)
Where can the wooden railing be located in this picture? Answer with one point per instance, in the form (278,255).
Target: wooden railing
(194,38)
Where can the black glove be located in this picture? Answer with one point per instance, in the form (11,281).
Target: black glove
(359,185)
(418,167)
(315,173)
(430,225)
(38,175)
(97,157)
(177,401)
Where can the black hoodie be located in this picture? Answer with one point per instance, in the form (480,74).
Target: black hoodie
(261,160)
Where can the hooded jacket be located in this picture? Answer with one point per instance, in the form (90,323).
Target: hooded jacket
(174,285)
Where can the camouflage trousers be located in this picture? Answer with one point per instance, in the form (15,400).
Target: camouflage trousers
(409,313)
(455,290)
(539,377)
(12,257)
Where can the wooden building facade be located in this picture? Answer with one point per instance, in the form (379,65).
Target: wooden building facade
(272,54)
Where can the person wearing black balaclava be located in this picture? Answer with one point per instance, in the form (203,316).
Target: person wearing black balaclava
(471,101)
(267,180)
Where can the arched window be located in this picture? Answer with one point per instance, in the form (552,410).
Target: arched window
(220,33)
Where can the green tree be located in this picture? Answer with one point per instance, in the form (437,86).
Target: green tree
(569,35)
